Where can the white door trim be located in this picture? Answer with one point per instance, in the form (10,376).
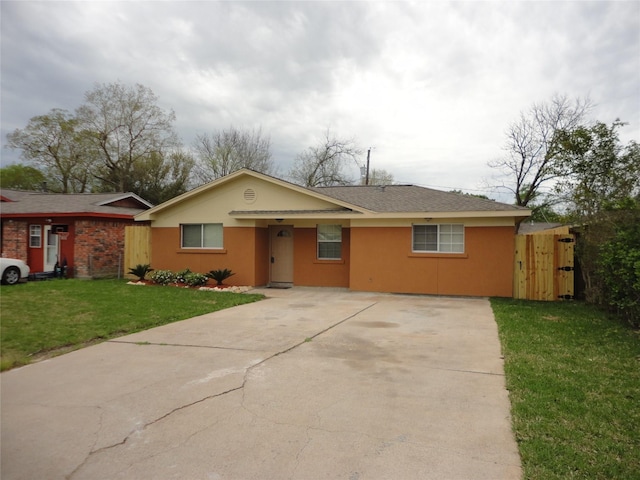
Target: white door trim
(51,249)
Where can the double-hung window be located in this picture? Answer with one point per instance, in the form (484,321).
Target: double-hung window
(442,238)
(201,235)
(329,242)
(35,236)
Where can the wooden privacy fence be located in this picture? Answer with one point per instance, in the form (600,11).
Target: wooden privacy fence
(137,246)
(544,266)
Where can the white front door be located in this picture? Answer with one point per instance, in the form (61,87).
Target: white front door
(52,249)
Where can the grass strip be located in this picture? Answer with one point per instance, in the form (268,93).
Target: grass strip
(40,319)
(573,375)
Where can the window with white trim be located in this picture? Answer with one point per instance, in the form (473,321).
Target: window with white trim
(201,235)
(35,236)
(329,242)
(441,238)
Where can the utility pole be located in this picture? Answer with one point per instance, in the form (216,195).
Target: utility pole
(366,178)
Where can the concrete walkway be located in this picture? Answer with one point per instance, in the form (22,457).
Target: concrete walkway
(307,384)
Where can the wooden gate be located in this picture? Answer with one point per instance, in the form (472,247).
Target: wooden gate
(544,266)
(137,246)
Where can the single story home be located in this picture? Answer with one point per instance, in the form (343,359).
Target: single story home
(395,238)
(82,233)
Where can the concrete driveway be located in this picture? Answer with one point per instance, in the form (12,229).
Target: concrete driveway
(307,384)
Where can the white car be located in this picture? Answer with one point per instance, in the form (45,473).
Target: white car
(12,270)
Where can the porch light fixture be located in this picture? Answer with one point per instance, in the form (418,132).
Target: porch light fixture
(279,220)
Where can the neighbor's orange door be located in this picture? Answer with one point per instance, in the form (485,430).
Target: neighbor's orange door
(281,253)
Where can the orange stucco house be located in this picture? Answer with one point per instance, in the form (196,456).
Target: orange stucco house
(396,238)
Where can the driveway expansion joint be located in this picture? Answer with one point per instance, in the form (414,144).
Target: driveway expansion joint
(460,370)
(214,347)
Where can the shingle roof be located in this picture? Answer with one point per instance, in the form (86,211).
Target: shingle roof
(29,203)
(411,198)
(533,227)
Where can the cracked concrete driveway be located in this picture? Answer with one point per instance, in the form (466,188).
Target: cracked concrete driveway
(307,384)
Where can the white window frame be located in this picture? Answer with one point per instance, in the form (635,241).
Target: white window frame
(218,246)
(324,240)
(444,234)
(33,235)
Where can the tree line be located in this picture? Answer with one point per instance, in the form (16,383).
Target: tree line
(120,140)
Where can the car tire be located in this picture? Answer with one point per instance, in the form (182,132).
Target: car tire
(11,276)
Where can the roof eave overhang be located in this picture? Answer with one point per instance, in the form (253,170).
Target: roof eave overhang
(461,214)
(330,214)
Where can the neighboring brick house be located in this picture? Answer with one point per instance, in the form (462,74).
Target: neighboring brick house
(83,232)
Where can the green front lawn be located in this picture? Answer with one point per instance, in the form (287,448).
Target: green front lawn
(573,375)
(55,316)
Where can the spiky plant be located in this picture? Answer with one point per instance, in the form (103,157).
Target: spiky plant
(140,271)
(220,275)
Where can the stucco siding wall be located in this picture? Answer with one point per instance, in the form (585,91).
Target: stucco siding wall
(311,272)
(261,259)
(239,254)
(382,261)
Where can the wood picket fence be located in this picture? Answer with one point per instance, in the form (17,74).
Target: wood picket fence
(137,246)
(544,265)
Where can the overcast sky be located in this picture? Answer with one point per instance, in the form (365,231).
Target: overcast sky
(432,86)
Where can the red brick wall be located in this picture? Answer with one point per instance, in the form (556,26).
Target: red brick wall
(15,238)
(99,248)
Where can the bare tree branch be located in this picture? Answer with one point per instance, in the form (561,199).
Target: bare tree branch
(323,165)
(533,150)
(226,151)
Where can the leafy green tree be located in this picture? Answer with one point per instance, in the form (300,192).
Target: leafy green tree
(477,195)
(545,213)
(601,186)
(597,171)
(126,127)
(379,176)
(160,178)
(226,151)
(21,177)
(324,164)
(56,145)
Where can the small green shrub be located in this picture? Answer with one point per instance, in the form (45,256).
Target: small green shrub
(140,271)
(220,275)
(163,277)
(195,279)
(619,272)
(182,274)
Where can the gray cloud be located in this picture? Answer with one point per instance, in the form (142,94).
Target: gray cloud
(432,85)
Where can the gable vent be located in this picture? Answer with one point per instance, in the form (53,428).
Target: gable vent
(249,195)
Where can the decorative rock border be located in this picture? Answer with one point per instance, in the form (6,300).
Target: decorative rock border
(229,288)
